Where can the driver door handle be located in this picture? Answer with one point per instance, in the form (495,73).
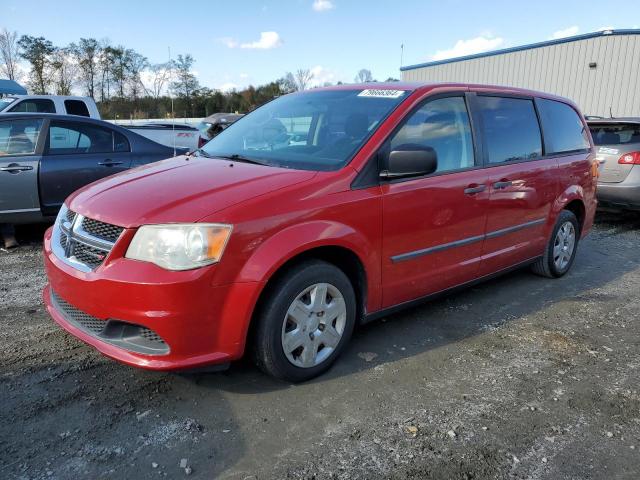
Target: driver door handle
(16,168)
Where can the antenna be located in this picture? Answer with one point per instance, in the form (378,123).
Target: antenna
(173,115)
(401,53)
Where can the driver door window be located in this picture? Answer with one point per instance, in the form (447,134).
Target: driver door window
(443,125)
(19,137)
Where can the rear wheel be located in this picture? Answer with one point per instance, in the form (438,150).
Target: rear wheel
(305,322)
(561,249)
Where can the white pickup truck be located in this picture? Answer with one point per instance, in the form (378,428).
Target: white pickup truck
(60,104)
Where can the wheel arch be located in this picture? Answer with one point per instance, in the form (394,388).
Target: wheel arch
(571,199)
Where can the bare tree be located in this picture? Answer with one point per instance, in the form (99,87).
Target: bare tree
(160,75)
(9,54)
(64,70)
(364,76)
(303,77)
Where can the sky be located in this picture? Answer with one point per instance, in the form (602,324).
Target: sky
(240,42)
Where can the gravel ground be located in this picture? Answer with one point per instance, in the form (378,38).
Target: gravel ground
(520,377)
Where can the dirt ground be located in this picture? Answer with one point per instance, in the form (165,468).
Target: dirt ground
(520,377)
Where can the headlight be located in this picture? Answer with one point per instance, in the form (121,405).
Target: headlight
(180,246)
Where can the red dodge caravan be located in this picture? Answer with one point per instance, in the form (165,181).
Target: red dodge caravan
(316,212)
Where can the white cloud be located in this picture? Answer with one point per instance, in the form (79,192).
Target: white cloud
(244,76)
(607,28)
(322,5)
(229,42)
(267,41)
(479,44)
(227,87)
(567,32)
(323,75)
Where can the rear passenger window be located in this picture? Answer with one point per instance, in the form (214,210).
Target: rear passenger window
(36,105)
(76,107)
(563,130)
(443,125)
(511,129)
(67,138)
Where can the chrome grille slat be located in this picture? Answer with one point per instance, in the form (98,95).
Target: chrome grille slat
(84,242)
(104,231)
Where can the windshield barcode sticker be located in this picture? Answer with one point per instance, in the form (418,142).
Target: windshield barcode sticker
(381,93)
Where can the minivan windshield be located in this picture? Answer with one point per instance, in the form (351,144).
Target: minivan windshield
(312,130)
(615,134)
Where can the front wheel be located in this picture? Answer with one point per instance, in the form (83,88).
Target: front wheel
(561,249)
(305,322)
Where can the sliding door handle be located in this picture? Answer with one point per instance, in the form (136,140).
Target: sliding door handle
(474,188)
(502,184)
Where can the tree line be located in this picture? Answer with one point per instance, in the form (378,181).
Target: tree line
(125,84)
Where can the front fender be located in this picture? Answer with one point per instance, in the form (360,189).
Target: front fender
(286,244)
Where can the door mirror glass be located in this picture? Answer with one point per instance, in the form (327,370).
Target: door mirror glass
(411,160)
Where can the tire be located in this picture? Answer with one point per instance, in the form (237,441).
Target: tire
(299,312)
(555,265)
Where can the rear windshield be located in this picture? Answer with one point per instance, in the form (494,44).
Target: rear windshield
(313,130)
(619,134)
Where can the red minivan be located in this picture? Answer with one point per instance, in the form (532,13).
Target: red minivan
(319,211)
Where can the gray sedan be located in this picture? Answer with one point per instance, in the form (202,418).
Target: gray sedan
(617,143)
(44,158)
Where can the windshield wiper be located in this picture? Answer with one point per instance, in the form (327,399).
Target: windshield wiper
(236,157)
(202,153)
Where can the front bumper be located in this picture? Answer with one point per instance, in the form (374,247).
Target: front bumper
(200,323)
(625,194)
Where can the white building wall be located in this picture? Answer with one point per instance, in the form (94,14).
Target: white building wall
(561,69)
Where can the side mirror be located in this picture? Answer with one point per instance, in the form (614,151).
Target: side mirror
(410,160)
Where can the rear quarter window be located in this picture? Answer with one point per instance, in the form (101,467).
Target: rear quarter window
(563,129)
(76,107)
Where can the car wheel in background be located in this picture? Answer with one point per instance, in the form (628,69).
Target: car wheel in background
(561,249)
(305,322)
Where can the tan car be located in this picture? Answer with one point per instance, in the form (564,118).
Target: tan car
(617,143)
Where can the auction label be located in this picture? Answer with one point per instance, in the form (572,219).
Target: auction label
(381,93)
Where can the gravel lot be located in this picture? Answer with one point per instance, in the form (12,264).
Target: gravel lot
(520,377)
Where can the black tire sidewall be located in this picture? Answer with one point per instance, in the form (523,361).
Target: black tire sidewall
(565,216)
(269,341)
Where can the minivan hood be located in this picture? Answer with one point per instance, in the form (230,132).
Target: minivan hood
(181,189)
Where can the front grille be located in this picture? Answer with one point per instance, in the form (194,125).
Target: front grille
(84,242)
(89,255)
(70,216)
(129,336)
(104,231)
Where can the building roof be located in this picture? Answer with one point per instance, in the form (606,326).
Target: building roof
(585,36)
(9,87)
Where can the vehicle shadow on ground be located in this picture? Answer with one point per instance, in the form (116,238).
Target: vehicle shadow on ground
(456,317)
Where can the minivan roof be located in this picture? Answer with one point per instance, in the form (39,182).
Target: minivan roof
(424,87)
